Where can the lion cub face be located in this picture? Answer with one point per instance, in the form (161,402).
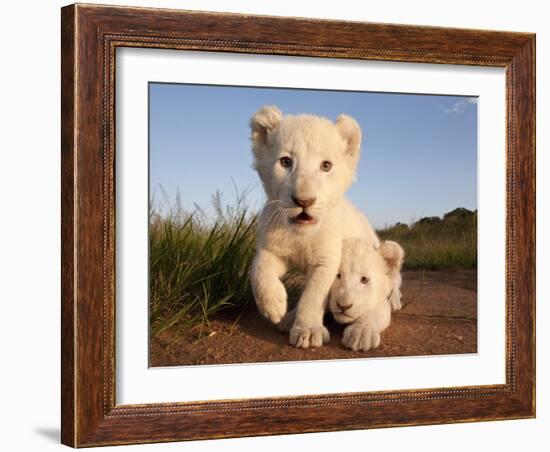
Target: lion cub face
(365,278)
(305,162)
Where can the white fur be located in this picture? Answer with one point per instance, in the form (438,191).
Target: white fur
(361,293)
(394,255)
(315,248)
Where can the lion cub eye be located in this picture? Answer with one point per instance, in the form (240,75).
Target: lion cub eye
(338,275)
(326,166)
(364,280)
(286,162)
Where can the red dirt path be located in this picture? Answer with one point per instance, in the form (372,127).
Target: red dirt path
(439,317)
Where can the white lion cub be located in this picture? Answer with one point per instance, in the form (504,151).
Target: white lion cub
(361,293)
(306,163)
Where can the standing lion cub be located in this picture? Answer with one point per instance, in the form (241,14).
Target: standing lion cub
(306,164)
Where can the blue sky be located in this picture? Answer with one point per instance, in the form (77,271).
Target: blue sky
(419,152)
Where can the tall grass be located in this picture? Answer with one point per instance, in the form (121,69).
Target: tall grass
(199,266)
(450,243)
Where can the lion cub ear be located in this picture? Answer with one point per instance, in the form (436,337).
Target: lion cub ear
(264,121)
(393,255)
(351,133)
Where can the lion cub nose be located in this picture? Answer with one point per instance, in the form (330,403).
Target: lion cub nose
(304,203)
(344,308)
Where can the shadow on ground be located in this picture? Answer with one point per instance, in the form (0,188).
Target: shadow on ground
(52,434)
(439,317)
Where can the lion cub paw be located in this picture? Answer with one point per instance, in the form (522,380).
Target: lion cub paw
(274,308)
(302,337)
(361,336)
(274,312)
(395,300)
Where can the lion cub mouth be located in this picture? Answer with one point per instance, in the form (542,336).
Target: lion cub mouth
(303,218)
(341,317)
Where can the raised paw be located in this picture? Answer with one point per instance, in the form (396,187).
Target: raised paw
(273,311)
(395,300)
(302,337)
(361,336)
(274,307)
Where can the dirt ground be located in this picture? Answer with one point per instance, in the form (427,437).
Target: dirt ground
(439,317)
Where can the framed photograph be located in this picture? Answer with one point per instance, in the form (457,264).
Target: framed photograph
(282,225)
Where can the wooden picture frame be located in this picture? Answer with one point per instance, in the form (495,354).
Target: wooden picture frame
(90,35)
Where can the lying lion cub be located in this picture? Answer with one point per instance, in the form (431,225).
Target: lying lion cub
(361,294)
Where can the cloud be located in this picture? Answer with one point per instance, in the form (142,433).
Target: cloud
(456,108)
(459,106)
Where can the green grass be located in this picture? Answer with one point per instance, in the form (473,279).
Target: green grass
(199,267)
(449,244)
(199,264)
